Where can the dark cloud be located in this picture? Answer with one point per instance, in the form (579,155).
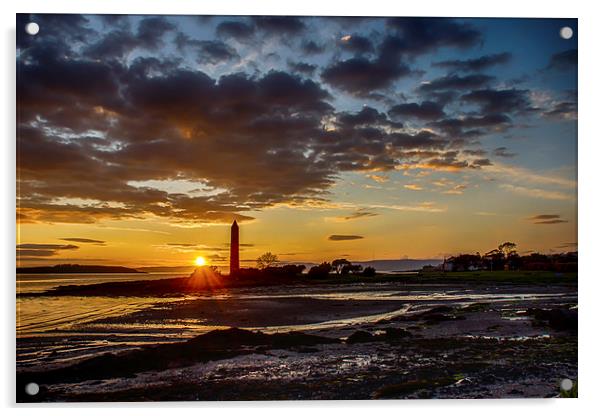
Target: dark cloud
(240,31)
(477,163)
(500,101)
(419,35)
(338,237)
(180,123)
(563,61)
(426,110)
(207,51)
(302,67)
(122,41)
(84,240)
(151,31)
(412,36)
(115,20)
(566,110)
(360,213)
(356,44)
(34,246)
(69,28)
(472,126)
(547,219)
(247,140)
(310,47)
(366,116)
(361,76)
(503,152)
(475,65)
(456,82)
(474,152)
(42,250)
(279,25)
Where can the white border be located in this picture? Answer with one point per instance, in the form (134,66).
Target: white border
(590,151)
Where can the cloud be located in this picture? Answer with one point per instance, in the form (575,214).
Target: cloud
(565,110)
(500,101)
(477,64)
(426,110)
(537,193)
(563,61)
(84,240)
(279,25)
(378,178)
(503,152)
(338,237)
(419,35)
(302,67)
(240,31)
(42,250)
(422,207)
(456,190)
(310,47)
(456,82)
(356,44)
(413,187)
(360,213)
(361,76)
(122,41)
(547,219)
(207,51)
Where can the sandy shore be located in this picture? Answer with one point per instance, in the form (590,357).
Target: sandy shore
(374,341)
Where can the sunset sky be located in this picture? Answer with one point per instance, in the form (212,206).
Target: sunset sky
(141,138)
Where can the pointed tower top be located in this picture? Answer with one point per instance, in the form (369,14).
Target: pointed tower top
(234,224)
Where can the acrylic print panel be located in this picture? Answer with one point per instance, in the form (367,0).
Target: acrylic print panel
(268,207)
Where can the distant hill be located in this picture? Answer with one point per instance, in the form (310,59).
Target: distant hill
(167,269)
(76,268)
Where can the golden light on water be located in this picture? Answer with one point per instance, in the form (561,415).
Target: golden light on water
(200,261)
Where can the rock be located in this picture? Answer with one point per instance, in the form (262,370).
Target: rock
(559,319)
(360,336)
(396,333)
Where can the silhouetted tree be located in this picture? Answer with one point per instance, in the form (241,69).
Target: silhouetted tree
(369,272)
(351,268)
(339,264)
(320,271)
(507,248)
(266,260)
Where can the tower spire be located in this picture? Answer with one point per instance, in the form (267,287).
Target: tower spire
(234,249)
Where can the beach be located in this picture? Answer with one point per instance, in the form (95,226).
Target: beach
(394,339)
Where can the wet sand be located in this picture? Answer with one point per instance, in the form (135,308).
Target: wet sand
(387,340)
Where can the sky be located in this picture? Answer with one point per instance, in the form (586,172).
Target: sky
(141,138)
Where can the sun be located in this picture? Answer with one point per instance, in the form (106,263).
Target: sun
(200,261)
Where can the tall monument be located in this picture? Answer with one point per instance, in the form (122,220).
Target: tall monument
(234,259)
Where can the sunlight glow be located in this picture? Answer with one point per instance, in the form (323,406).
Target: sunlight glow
(200,261)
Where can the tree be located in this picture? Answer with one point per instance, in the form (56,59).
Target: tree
(266,260)
(351,268)
(339,264)
(507,249)
(320,271)
(369,272)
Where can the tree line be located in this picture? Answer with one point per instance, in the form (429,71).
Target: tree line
(506,257)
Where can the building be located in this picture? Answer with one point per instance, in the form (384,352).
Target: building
(234,249)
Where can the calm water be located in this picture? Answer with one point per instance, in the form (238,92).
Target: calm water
(52,329)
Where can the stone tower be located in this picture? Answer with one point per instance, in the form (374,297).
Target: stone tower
(234,259)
